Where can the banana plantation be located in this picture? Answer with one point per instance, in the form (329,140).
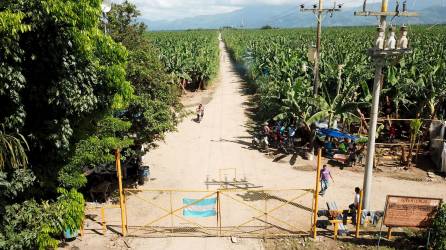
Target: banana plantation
(277,61)
(83,87)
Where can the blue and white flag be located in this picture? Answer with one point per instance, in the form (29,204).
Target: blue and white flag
(203,208)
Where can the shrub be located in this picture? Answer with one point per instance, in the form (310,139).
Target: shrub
(438,229)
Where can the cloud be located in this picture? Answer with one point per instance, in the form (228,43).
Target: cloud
(177,9)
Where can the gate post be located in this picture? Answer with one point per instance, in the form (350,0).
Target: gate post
(121,195)
(316,192)
(359,214)
(218,214)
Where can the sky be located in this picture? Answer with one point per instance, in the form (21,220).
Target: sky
(178,9)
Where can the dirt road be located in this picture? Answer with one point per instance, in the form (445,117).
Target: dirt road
(197,152)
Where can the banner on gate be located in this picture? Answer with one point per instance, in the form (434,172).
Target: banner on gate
(202,208)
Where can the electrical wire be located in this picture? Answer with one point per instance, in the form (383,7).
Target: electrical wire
(282,15)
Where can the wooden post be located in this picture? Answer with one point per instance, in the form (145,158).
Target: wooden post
(219,210)
(359,214)
(266,218)
(104,226)
(218,214)
(171,211)
(81,232)
(121,195)
(336,227)
(125,206)
(316,192)
(389,233)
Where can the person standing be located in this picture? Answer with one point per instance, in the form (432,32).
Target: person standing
(325,176)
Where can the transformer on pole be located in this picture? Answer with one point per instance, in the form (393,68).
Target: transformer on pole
(385,51)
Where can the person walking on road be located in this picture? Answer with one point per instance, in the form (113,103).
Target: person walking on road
(325,175)
(200,112)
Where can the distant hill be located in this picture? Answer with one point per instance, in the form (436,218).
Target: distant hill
(287,16)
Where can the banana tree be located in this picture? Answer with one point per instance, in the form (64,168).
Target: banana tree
(12,150)
(342,106)
(415,132)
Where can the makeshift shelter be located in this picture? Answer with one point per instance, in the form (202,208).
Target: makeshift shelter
(336,134)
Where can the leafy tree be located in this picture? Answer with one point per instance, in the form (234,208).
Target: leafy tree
(60,77)
(152,111)
(341,107)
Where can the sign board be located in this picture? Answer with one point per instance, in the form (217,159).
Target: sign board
(406,211)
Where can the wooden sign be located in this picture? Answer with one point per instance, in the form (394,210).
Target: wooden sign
(406,211)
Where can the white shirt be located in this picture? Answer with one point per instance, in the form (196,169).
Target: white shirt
(356,200)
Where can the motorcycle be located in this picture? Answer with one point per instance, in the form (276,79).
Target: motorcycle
(260,142)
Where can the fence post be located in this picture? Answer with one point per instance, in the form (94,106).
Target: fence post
(81,233)
(104,226)
(218,214)
(316,192)
(171,212)
(266,216)
(121,195)
(359,214)
(125,210)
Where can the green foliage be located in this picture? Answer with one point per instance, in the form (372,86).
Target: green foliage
(276,61)
(150,118)
(189,55)
(60,78)
(152,111)
(95,150)
(68,75)
(13,183)
(30,225)
(12,151)
(438,229)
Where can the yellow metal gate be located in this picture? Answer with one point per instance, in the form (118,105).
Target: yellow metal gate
(238,212)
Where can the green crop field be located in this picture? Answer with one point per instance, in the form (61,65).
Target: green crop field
(277,61)
(189,55)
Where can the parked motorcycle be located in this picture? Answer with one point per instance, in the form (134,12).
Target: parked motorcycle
(260,142)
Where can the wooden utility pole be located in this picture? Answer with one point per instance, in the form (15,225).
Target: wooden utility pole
(318,10)
(386,50)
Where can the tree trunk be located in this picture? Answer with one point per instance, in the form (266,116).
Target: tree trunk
(183,85)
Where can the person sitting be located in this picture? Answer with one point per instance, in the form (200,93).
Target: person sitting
(352,154)
(266,129)
(291,134)
(360,154)
(328,146)
(343,147)
(353,208)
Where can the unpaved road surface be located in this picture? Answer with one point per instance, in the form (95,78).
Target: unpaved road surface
(194,156)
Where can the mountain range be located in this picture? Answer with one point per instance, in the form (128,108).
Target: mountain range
(289,16)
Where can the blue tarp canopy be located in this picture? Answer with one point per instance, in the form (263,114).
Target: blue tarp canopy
(336,134)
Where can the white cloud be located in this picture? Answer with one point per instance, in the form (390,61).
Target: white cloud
(177,9)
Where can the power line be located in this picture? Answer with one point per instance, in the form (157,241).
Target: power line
(281,15)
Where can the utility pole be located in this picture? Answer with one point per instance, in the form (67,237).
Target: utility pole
(384,52)
(318,10)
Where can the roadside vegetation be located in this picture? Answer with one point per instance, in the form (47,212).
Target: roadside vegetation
(70,95)
(277,61)
(191,57)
